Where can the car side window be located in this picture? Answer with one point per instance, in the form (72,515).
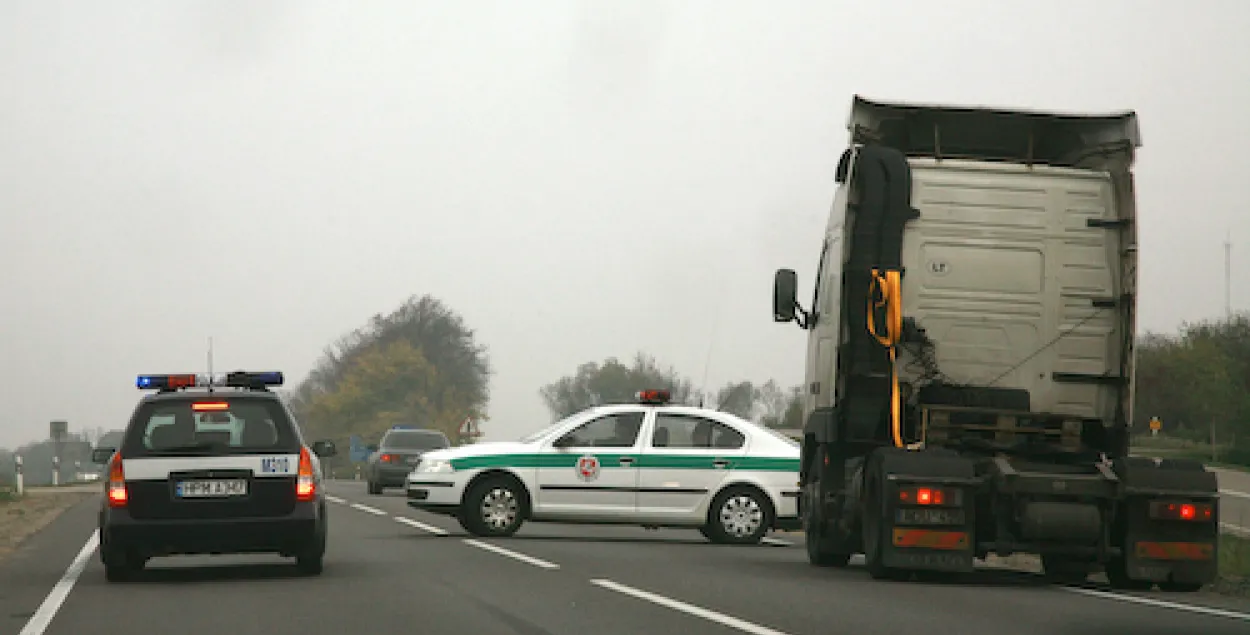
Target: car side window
(688,431)
(618,430)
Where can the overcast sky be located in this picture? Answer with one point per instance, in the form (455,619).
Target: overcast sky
(578,179)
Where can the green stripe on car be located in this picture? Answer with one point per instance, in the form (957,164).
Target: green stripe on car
(644,461)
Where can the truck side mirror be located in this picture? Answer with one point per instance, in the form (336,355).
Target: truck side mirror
(785,295)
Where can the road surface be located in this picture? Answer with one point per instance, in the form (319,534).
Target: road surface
(392,569)
(1234,501)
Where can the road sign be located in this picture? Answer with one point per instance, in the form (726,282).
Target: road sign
(1155,426)
(57,430)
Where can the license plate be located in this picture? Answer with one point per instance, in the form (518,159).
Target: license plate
(212,489)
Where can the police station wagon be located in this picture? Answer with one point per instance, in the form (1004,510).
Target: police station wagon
(649,463)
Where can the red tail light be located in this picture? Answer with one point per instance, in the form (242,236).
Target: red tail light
(117,482)
(387,458)
(305,486)
(930,496)
(1164,510)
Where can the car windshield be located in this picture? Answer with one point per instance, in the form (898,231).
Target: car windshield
(534,436)
(414,440)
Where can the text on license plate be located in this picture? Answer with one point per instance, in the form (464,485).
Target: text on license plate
(212,489)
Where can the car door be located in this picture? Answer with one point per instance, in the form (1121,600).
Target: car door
(591,472)
(684,463)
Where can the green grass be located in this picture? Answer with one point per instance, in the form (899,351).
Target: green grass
(8,494)
(1234,557)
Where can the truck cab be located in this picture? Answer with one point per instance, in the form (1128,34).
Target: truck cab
(970,338)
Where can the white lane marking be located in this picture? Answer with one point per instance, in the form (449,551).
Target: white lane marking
(1192,608)
(372,510)
(335,499)
(420,525)
(39,622)
(512,554)
(1229,492)
(712,616)
(774,541)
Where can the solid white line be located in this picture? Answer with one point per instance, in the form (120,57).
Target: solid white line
(713,616)
(774,541)
(512,554)
(420,525)
(1159,603)
(1229,492)
(335,499)
(372,510)
(38,622)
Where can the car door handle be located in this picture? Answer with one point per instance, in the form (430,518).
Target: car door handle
(627,460)
(720,463)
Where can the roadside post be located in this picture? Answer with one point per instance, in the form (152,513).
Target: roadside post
(1155,426)
(21,485)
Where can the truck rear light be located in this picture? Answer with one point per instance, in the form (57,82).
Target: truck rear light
(117,494)
(1175,510)
(305,485)
(386,458)
(930,496)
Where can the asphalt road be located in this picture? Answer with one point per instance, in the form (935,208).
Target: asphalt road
(392,569)
(1234,501)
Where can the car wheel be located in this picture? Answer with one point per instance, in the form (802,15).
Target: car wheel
(311,560)
(374,488)
(120,565)
(494,507)
(739,516)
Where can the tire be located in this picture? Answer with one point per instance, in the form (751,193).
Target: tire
(706,534)
(872,531)
(494,507)
(1180,587)
(1117,576)
(374,488)
(814,540)
(1064,570)
(120,565)
(311,560)
(739,516)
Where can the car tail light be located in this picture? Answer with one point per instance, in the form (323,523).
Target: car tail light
(117,494)
(1175,510)
(305,486)
(387,458)
(930,496)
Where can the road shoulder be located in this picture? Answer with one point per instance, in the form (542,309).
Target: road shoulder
(30,571)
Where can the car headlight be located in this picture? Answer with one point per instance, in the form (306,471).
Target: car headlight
(435,466)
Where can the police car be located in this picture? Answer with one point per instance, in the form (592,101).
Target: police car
(649,463)
(211,465)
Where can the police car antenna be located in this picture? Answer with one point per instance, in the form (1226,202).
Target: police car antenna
(210,363)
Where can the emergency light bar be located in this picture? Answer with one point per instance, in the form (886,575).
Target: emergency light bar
(238,379)
(653,396)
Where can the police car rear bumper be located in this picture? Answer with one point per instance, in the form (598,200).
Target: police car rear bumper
(283,534)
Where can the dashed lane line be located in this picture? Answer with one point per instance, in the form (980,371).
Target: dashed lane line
(689,609)
(542,564)
(420,525)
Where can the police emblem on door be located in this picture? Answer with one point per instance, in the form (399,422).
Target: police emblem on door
(588,467)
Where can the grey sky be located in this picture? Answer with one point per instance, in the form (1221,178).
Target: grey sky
(578,179)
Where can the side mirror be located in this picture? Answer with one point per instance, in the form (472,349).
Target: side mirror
(324,449)
(102,455)
(785,295)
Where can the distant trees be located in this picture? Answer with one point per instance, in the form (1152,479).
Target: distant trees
(418,365)
(612,381)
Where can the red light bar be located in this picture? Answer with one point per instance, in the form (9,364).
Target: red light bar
(653,396)
(934,496)
(209,406)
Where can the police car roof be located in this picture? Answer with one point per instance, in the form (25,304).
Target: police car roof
(185,394)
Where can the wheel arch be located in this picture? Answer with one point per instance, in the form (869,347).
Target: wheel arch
(527,497)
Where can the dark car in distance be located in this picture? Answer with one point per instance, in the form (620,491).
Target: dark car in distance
(397,454)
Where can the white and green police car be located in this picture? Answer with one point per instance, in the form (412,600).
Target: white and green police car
(648,463)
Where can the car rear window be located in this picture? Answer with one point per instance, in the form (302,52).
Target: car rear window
(414,440)
(210,425)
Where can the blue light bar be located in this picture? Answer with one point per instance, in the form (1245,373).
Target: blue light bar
(402,426)
(238,379)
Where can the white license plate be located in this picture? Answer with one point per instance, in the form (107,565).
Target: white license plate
(212,489)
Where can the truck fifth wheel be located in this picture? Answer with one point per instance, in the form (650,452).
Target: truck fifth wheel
(969,379)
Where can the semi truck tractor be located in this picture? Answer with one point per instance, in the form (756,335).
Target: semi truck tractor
(969,379)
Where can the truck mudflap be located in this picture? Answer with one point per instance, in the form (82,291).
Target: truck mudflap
(918,512)
(1168,525)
